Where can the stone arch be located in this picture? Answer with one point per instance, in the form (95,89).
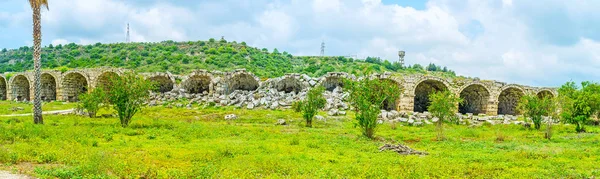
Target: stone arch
(163,83)
(422,91)
(387,104)
(289,84)
(545,93)
(475,99)
(197,84)
(242,81)
(48,90)
(508,99)
(20,88)
(3,86)
(104,79)
(74,84)
(332,82)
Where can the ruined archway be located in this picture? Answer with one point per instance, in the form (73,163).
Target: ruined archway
(289,84)
(545,94)
(422,92)
(73,85)
(508,100)
(104,80)
(332,82)
(20,88)
(475,99)
(243,82)
(197,84)
(2,88)
(48,90)
(163,83)
(389,105)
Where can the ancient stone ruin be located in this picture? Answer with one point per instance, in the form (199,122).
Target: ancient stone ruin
(243,89)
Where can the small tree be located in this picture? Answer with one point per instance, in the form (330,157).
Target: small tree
(535,107)
(92,102)
(443,106)
(128,95)
(367,96)
(311,105)
(579,104)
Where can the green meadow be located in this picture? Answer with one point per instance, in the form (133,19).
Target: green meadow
(198,143)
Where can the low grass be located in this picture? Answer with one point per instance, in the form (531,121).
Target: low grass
(198,143)
(7,106)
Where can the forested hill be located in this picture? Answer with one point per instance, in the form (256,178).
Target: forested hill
(183,57)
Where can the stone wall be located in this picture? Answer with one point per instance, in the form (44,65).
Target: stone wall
(243,89)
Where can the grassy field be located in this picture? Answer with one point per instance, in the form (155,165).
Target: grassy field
(6,107)
(198,143)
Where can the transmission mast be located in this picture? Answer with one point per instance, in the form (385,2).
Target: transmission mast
(323,48)
(127,40)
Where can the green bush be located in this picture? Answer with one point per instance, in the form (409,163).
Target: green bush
(367,96)
(443,106)
(92,102)
(311,105)
(578,104)
(535,107)
(128,95)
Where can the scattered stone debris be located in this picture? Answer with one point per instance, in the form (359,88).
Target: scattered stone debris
(401,149)
(17,109)
(281,122)
(230,117)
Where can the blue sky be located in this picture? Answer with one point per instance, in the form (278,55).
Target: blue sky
(540,43)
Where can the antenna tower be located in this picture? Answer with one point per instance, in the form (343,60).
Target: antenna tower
(323,48)
(127,40)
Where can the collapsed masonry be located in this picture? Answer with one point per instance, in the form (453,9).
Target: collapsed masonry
(243,89)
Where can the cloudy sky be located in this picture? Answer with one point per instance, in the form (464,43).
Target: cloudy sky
(541,43)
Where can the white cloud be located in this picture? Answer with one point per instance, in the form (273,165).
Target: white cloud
(56,42)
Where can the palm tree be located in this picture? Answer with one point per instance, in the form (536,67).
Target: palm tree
(36,6)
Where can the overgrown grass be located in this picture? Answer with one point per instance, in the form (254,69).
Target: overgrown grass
(182,143)
(6,107)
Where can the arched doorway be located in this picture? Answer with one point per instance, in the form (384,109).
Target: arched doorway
(74,84)
(422,92)
(48,92)
(289,84)
(508,101)
(3,88)
(163,83)
(544,94)
(20,88)
(332,82)
(197,84)
(104,80)
(475,98)
(242,82)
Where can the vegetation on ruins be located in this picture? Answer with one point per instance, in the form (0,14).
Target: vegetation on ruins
(535,107)
(443,105)
(367,96)
(579,103)
(36,6)
(127,95)
(184,57)
(311,105)
(92,101)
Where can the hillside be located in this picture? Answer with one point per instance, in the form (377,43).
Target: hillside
(183,57)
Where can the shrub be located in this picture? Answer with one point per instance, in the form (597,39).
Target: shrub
(578,104)
(128,95)
(367,96)
(535,107)
(311,105)
(92,102)
(443,106)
